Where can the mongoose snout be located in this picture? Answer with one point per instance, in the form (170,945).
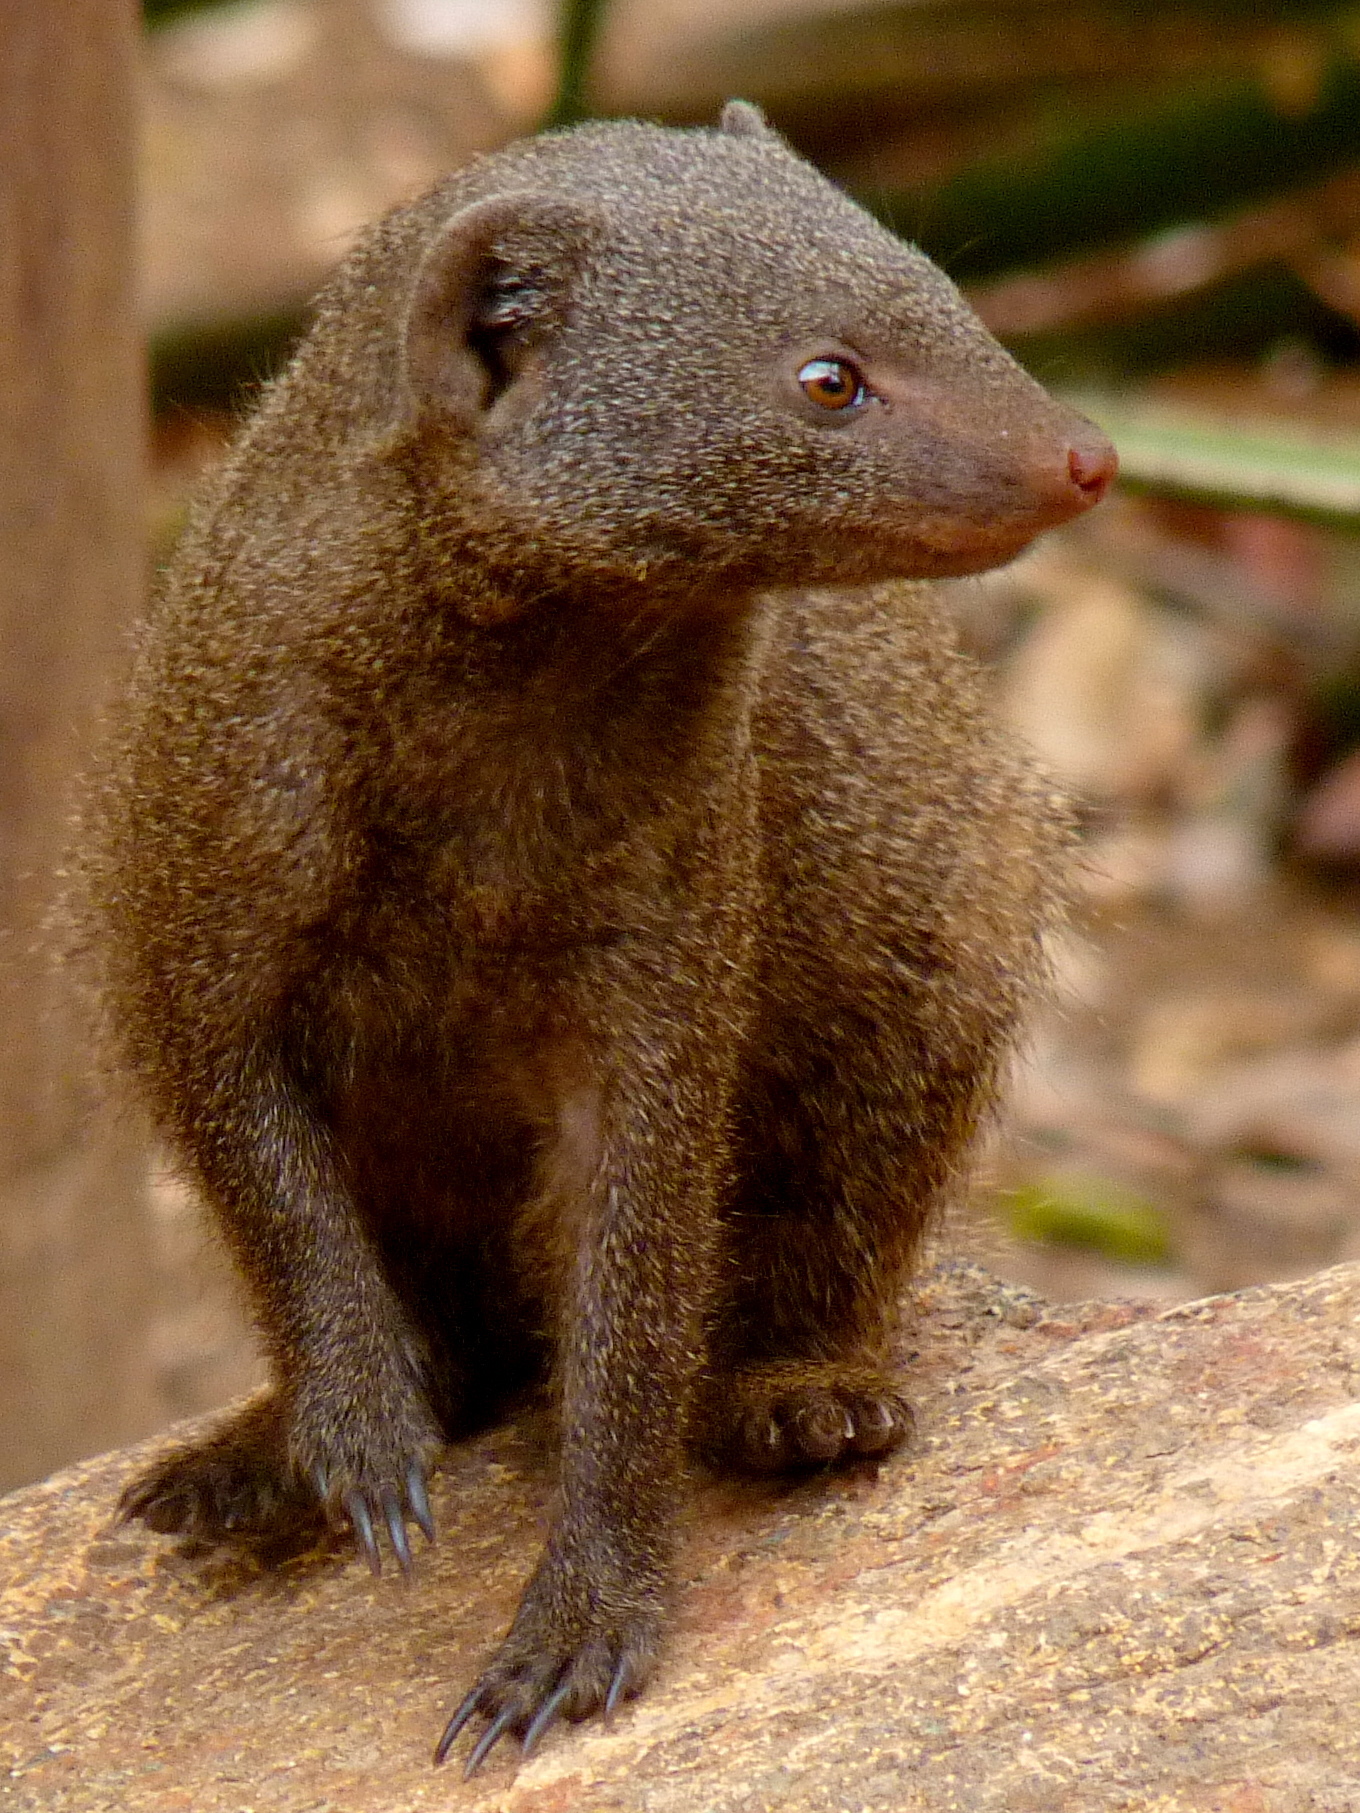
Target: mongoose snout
(1070,471)
(1092,466)
(985,460)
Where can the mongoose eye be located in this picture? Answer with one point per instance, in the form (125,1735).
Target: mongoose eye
(832,383)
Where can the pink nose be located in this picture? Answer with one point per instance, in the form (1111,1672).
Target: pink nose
(1091,467)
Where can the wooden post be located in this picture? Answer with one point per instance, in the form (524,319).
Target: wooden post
(76,1271)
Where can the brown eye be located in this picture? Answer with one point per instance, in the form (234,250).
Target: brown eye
(832,383)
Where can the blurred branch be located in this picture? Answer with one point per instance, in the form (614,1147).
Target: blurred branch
(1131,171)
(850,68)
(579,31)
(1292,228)
(158,12)
(1333,275)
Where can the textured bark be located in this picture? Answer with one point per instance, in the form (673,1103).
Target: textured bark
(1116,1571)
(75,1274)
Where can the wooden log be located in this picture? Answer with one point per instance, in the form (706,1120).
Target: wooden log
(76,1273)
(1116,1569)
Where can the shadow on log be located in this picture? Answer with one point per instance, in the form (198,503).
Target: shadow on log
(1117,1569)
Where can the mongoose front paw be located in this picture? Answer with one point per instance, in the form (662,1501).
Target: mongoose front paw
(367,1455)
(370,1504)
(543,1673)
(216,1496)
(245,1484)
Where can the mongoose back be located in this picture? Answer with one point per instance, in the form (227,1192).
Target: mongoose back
(564,918)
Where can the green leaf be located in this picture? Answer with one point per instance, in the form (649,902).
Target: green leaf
(1247,464)
(1089,1212)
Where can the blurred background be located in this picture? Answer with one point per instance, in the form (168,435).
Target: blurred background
(1155,203)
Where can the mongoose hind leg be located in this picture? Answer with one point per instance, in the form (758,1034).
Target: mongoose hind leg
(850,1144)
(821,1238)
(234,1485)
(778,1415)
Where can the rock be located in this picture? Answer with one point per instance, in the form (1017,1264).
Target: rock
(1117,1570)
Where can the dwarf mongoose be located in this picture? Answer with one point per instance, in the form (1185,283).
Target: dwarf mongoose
(564,918)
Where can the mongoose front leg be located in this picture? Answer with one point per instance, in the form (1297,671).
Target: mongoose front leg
(349,1430)
(588,1629)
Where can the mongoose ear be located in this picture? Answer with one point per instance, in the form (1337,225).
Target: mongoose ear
(743,119)
(498,277)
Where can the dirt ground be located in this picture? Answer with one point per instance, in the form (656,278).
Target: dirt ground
(1186,1120)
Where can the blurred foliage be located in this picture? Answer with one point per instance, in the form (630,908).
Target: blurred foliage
(157,12)
(1179,157)
(1091,1213)
(220,366)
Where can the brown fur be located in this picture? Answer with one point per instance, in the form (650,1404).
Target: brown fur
(550,940)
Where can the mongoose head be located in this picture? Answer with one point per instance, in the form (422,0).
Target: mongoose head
(686,357)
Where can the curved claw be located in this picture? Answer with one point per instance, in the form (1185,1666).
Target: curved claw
(487,1742)
(356,1506)
(396,1530)
(544,1718)
(622,1687)
(460,1718)
(419,1500)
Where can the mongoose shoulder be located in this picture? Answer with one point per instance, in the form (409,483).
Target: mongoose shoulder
(566,919)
